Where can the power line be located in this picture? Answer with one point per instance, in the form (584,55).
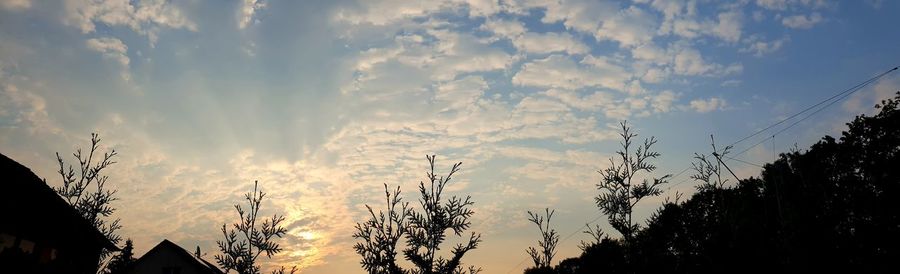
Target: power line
(856,87)
(831,101)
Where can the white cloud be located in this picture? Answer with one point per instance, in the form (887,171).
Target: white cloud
(247,10)
(482,8)
(652,53)
(591,102)
(802,21)
(462,93)
(729,26)
(663,101)
(863,101)
(462,53)
(145,17)
(389,11)
(113,49)
(711,104)
(731,83)
(689,62)
(773,4)
(15,5)
(616,108)
(782,5)
(410,62)
(21,108)
(655,75)
(760,47)
(630,27)
(504,28)
(550,42)
(580,15)
(557,71)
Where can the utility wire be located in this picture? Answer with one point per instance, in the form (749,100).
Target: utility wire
(841,95)
(856,87)
(831,101)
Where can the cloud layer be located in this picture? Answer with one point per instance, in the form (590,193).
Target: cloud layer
(323,103)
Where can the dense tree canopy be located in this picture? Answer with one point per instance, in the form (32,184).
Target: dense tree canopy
(831,207)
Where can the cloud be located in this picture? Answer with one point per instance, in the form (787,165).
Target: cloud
(440,57)
(651,52)
(531,42)
(558,71)
(863,101)
(483,8)
(760,47)
(616,108)
(663,101)
(591,102)
(731,83)
(783,5)
(247,10)
(113,49)
(655,75)
(145,17)
(15,5)
(630,27)
(504,28)
(386,12)
(773,4)
(24,109)
(802,21)
(550,42)
(682,19)
(457,53)
(462,93)
(580,15)
(729,26)
(689,62)
(711,104)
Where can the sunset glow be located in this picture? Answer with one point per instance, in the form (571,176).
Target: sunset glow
(324,102)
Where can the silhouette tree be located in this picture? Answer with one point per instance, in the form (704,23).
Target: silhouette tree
(827,209)
(381,233)
(425,230)
(596,234)
(123,260)
(708,170)
(619,192)
(245,242)
(85,189)
(549,239)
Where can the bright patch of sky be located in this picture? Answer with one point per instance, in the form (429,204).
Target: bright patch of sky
(324,101)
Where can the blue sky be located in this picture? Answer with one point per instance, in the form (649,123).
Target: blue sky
(324,101)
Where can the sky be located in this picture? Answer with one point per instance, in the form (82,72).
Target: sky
(324,102)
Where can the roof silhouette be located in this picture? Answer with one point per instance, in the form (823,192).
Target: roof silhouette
(35,209)
(166,245)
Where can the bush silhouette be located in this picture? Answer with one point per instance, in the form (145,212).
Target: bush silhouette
(424,230)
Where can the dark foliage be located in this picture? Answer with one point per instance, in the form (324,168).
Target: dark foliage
(85,189)
(831,208)
(619,190)
(123,260)
(424,230)
(247,240)
(381,233)
(549,239)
